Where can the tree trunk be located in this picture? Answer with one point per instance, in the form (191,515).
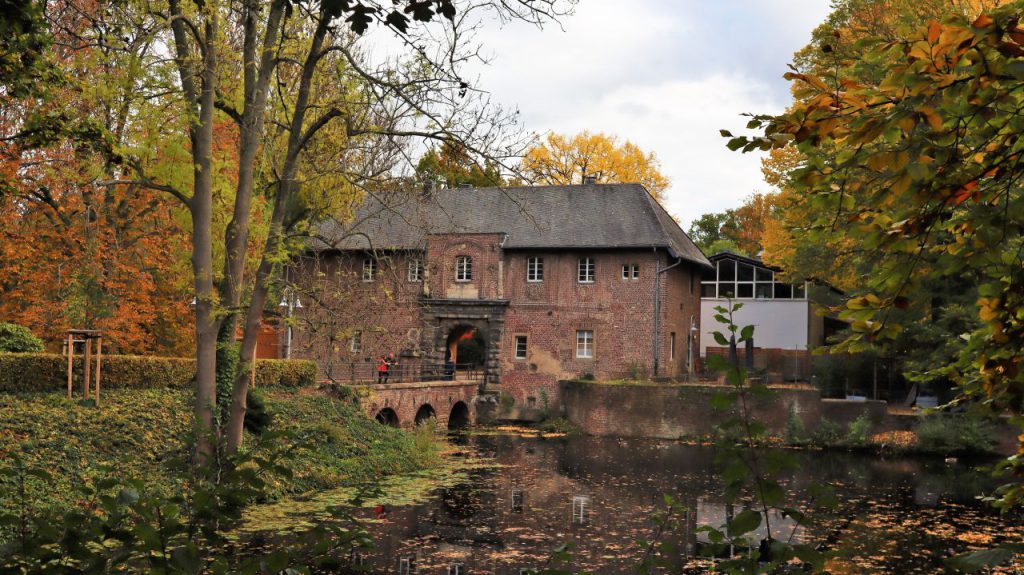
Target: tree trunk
(286,187)
(202,252)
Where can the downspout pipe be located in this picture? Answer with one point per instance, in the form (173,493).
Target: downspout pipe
(658,270)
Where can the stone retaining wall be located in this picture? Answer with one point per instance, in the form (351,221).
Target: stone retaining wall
(669,411)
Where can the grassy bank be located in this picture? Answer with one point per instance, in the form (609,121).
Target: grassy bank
(138,433)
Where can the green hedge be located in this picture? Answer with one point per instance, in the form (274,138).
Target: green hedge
(22,372)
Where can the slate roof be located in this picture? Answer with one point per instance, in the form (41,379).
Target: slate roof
(576,216)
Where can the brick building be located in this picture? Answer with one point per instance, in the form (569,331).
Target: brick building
(553,282)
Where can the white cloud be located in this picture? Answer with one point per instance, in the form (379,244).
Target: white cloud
(665,74)
(680,122)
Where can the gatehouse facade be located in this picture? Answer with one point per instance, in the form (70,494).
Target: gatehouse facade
(511,288)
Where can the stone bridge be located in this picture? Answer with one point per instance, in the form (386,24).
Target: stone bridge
(451,403)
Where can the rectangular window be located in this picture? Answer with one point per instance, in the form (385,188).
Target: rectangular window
(415,270)
(783,291)
(708,289)
(630,271)
(799,291)
(585,273)
(585,343)
(518,500)
(763,290)
(369,269)
(407,565)
(580,509)
(456,569)
(672,346)
(727,270)
(520,347)
(463,269)
(355,345)
(534,269)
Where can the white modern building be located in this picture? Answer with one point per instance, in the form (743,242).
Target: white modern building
(786,327)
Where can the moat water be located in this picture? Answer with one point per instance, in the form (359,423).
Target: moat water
(522,498)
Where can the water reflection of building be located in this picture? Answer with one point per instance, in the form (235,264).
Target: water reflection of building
(512,517)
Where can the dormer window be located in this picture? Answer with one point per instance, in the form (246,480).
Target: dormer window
(463,269)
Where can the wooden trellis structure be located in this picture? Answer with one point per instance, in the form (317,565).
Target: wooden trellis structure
(85,337)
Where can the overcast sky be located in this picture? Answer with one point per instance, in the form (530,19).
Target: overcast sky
(665,74)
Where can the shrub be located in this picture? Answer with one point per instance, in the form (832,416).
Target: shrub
(859,430)
(506,400)
(954,434)
(827,433)
(836,375)
(33,372)
(285,372)
(560,425)
(17,339)
(794,433)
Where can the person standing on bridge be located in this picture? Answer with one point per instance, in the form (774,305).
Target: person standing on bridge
(383,369)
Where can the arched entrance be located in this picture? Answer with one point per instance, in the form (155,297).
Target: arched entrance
(466,346)
(461,331)
(425,414)
(387,416)
(459,417)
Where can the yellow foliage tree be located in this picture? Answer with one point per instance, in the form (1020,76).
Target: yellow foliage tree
(561,160)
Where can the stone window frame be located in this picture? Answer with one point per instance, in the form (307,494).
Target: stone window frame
(369,270)
(463,269)
(415,270)
(586,270)
(534,269)
(355,343)
(630,271)
(585,339)
(516,341)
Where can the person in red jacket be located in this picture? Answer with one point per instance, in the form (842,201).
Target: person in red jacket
(383,368)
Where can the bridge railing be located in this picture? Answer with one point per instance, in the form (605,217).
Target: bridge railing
(366,373)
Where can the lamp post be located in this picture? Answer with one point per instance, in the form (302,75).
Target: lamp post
(290,302)
(689,347)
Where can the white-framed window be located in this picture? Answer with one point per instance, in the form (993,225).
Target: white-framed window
(630,271)
(369,269)
(672,346)
(463,269)
(355,344)
(415,270)
(407,565)
(585,273)
(585,343)
(534,269)
(742,280)
(520,347)
(581,509)
(456,569)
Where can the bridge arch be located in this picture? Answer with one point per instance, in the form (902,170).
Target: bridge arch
(387,416)
(424,414)
(459,416)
